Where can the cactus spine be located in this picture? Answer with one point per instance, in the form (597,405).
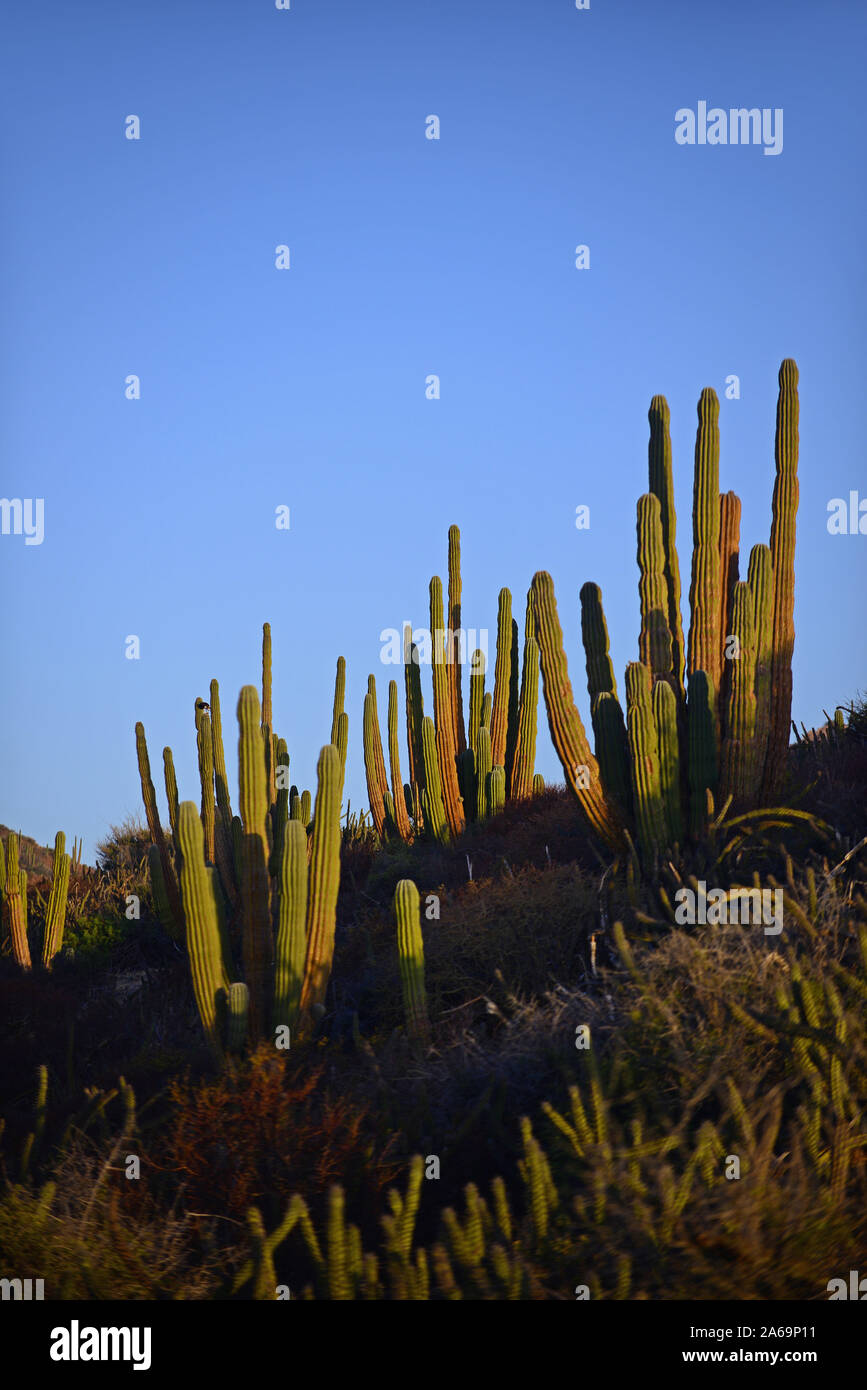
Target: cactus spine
(411,951)
(785,511)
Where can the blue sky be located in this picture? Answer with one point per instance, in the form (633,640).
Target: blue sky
(409,256)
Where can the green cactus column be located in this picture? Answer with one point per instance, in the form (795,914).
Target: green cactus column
(446,750)
(702,763)
(521,785)
(205,748)
(414,718)
(171,782)
(729,559)
(665,714)
(339,718)
(257,941)
(455,640)
(372,741)
(291,950)
(410,947)
(594,635)
(644,760)
(324,880)
(502,673)
(221,780)
(477,694)
(204,945)
(514,708)
(55,913)
(496,790)
(736,752)
(564,721)
(760,576)
(401,817)
(149,797)
(785,511)
(612,750)
(483,768)
(15,904)
(705,595)
(654,642)
(432,797)
(662,485)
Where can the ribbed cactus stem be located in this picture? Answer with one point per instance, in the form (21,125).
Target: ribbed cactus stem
(665,715)
(404,829)
(760,576)
(306,807)
(736,753)
(237,1014)
(661,484)
(654,642)
(414,711)
(291,948)
(342,744)
(644,760)
(514,707)
(324,879)
(502,672)
(612,752)
(705,595)
(221,780)
(171,781)
(487,707)
(564,722)
(339,697)
(205,747)
(454,640)
(375,789)
(204,947)
(255,885)
(496,790)
(280,813)
(785,511)
(445,741)
(15,907)
(477,694)
(483,766)
(410,947)
(729,559)
(149,797)
(594,635)
(521,785)
(538,784)
(55,913)
(432,800)
(703,758)
(158,890)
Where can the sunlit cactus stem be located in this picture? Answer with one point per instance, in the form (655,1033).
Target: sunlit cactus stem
(483,768)
(401,817)
(705,595)
(15,904)
(205,746)
(644,760)
(255,885)
(291,947)
(149,797)
(477,694)
(204,945)
(55,913)
(324,880)
(411,951)
(665,714)
(661,484)
(443,722)
(432,799)
(171,782)
(736,753)
(496,790)
(455,640)
(375,774)
(502,675)
(654,641)
(785,511)
(760,577)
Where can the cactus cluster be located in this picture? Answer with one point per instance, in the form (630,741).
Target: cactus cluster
(13,891)
(254,895)
(462,765)
(706,720)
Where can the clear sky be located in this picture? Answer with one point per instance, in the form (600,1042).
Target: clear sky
(409,257)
